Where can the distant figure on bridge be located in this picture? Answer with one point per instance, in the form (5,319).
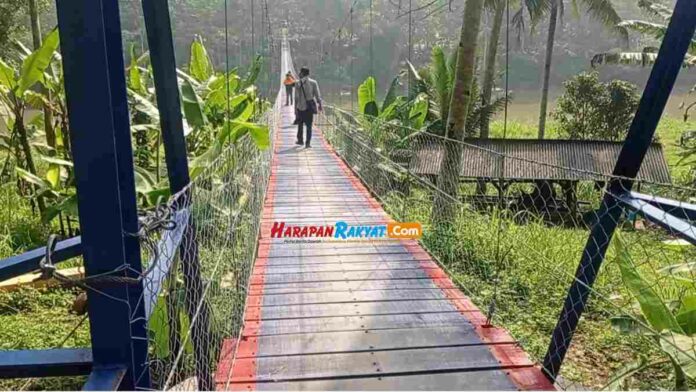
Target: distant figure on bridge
(307,104)
(289,83)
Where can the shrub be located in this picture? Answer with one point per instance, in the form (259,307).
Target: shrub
(590,109)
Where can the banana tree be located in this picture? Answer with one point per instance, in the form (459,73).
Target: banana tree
(656,30)
(673,328)
(393,121)
(218,110)
(17,96)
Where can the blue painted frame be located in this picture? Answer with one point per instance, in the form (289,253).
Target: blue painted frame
(657,90)
(29,261)
(97,108)
(681,210)
(673,224)
(105,378)
(45,363)
(162,57)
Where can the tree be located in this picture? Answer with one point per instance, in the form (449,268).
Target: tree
(601,10)
(16,95)
(436,82)
(498,9)
(655,29)
(489,65)
(448,178)
(11,22)
(592,110)
(36,39)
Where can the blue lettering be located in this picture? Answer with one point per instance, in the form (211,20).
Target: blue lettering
(340,230)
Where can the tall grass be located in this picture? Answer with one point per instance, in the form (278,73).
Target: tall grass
(529,267)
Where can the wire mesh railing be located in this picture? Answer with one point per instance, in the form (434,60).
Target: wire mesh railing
(199,263)
(513,231)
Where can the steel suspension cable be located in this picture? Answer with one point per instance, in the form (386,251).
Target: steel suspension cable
(372,43)
(410,43)
(253,36)
(227,67)
(352,62)
(501,180)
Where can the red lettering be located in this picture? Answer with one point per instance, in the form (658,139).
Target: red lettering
(277,229)
(312,231)
(329,231)
(295,231)
(304,231)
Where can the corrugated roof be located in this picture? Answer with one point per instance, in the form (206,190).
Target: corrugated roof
(552,159)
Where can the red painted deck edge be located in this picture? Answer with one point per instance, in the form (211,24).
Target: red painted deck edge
(248,343)
(227,354)
(522,371)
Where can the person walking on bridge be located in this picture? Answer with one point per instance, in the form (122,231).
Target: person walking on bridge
(307,104)
(289,83)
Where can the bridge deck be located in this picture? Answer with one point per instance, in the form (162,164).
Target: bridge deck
(336,316)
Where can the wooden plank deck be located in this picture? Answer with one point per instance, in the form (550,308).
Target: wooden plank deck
(356,316)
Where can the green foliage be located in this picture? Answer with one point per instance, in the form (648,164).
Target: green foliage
(13,21)
(590,109)
(655,311)
(418,112)
(192,105)
(367,97)
(25,316)
(253,73)
(668,328)
(647,56)
(34,66)
(218,109)
(436,81)
(200,66)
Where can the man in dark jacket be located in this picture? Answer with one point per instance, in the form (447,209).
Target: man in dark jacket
(307,104)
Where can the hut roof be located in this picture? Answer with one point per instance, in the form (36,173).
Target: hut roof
(531,159)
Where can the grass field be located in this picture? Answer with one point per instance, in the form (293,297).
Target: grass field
(34,318)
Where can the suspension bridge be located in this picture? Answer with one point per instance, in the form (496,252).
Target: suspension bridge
(200,293)
(346,315)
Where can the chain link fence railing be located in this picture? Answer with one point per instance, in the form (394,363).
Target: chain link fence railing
(513,233)
(198,260)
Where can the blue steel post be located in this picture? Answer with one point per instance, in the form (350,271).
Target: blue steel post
(126,175)
(657,90)
(98,127)
(161,45)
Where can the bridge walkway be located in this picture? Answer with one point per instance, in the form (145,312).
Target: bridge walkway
(378,315)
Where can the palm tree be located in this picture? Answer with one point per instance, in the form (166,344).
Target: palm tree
(497,8)
(448,178)
(601,10)
(655,29)
(490,61)
(436,82)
